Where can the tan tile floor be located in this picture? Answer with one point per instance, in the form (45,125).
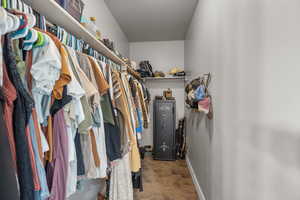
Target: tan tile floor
(166,180)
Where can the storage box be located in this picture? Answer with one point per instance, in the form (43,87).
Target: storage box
(73,7)
(168,93)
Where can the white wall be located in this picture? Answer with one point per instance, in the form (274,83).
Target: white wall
(107,24)
(252,145)
(162,56)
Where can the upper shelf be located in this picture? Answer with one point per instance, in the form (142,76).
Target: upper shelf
(59,16)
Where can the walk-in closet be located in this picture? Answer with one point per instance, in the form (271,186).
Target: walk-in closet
(149,100)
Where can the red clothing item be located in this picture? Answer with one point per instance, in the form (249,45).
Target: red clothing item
(8,107)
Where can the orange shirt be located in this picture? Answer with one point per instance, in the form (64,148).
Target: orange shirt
(65,76)
(100,79)
(94,148)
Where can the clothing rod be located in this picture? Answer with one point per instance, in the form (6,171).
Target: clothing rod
(129,69)
(198,76)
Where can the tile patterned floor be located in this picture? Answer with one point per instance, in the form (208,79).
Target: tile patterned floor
(166,180)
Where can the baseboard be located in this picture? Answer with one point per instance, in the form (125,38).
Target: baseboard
(195,180)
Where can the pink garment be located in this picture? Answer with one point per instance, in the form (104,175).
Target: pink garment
(57,170)
(204,104)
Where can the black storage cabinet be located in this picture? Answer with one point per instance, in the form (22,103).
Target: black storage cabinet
(164,129)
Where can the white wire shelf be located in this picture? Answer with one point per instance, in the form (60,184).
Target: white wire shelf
(59,16)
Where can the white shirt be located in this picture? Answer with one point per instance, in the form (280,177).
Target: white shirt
(72,166)
(45,70)
(46,65)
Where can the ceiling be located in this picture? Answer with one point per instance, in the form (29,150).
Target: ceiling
(153,20)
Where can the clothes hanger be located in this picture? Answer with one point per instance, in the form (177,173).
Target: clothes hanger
(31,36)
(65,36)
(40,41)
(72,41)
(14,4)
(8,4)
(68,42)
(30,39)
(31,20)
(46,39)
(22,6)
(3,21)
(61,35)
(23,28)
(58,33)
(77,45)
(14,24)
(23,15)
(4,3)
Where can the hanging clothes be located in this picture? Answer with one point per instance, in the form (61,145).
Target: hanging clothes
(143,104)
(57,169)
(22,109)
(122,105)
(68,115)
(9,188)
(10,94)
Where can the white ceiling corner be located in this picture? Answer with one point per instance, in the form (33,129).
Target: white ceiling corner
(153,20)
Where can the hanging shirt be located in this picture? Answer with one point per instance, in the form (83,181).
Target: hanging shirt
(87,123)
(121,180)
(71,126)
(65,76)
(43,193)
(101,82)
(131,105)
(21,68)
(58,168)
(136,100)
(10,94)
(122,105)
(142,101)
(97,133)
(8,182)
(45,71)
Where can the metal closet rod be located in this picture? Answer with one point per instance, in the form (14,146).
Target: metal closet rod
(129,69)
(200,76)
